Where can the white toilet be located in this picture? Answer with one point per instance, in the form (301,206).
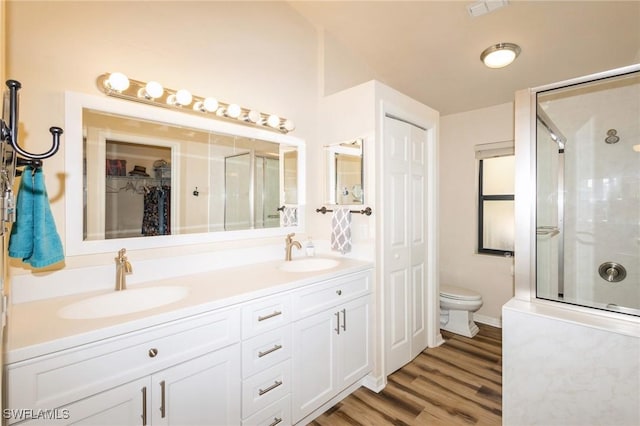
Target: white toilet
(457,306)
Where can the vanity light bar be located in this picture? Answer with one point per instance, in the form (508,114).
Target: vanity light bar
(153,93)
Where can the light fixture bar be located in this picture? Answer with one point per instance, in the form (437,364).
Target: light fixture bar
(152,93)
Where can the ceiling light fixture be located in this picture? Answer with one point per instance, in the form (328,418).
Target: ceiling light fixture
(500,55)
(120,86)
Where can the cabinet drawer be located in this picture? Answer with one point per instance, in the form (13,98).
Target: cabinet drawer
(266,350)
(276,414)
(265,314)
(95,367)
(319,297)
(266,387)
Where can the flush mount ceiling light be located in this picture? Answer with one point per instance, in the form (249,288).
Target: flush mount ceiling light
(153,93)
(500,55)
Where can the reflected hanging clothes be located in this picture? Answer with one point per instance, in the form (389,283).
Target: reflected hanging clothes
(156,218)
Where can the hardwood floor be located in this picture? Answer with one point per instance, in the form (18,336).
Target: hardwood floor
(457,383)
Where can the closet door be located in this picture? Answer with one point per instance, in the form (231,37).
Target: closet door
(404,242)
(418,236)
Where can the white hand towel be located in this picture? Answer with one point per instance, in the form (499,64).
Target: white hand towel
(341,230)
(290,216)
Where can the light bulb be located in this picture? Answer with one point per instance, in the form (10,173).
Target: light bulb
(117,81)
(198,106)
(151,90)
(183,97)
(273,121)
(154,89)
(253,116)
(234,110)
(210,104)
(288,125)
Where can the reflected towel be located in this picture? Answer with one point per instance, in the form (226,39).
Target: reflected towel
(34,237)
(341,230)
(290,216)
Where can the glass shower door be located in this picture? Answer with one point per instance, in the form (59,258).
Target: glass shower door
(588,194)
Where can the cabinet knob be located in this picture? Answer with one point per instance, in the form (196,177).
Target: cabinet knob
(339,292)
(153,352)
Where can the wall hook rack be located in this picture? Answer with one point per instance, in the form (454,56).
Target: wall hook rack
(10,131)
(10,149)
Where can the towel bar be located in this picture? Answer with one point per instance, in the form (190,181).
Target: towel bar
(366,211)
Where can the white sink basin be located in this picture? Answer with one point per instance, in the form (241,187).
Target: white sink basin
(309,264)
(123,302)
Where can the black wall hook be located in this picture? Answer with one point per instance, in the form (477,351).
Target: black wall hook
(9,132)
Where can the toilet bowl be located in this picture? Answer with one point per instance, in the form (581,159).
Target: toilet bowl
(457,306)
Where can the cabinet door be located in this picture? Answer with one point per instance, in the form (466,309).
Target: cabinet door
(354,342)
(313,362)
(202,391)
(124,405)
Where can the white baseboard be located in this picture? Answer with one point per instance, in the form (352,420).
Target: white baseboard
(484,319)
(375,384)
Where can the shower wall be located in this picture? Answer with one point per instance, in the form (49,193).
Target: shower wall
(602,191)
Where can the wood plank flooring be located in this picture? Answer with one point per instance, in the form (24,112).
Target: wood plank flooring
(457,383)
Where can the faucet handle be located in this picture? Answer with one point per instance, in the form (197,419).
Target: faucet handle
(121,254)
(290,236)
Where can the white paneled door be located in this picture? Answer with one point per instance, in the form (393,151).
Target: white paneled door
(404,182)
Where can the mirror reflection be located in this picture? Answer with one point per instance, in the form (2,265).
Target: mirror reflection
(143,178)
(345,172)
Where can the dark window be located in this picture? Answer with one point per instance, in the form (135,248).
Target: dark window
(496,204)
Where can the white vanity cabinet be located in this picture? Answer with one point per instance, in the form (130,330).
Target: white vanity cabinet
(332,338)
(266,361)
(184,372)
(201,391)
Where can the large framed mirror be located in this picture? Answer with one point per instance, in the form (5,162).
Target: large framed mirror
(345,172)
(139,176)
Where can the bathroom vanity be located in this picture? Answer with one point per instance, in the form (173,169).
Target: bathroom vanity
(253,345)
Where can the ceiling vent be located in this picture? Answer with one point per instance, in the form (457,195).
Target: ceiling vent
(483,7)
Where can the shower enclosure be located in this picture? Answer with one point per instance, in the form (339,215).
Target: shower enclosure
(252,188)
(588,193)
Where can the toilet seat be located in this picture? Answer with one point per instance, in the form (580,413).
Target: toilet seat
(458,293)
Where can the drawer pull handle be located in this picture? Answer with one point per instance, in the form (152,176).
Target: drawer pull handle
(276,420)
(344,319)
(339,292)
(144,406)
(153,352)
(266,317)
(270,388)
(337,329)
(268,351)
(162,401)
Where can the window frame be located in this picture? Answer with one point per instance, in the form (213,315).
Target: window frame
(483,152)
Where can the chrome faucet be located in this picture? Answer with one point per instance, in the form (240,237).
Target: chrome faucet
(290,242)
(123,267)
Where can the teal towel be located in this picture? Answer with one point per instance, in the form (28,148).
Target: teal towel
(34,237)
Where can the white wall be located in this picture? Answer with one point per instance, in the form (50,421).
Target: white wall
(460,265)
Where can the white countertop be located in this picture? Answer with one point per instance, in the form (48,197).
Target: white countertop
(35,329)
